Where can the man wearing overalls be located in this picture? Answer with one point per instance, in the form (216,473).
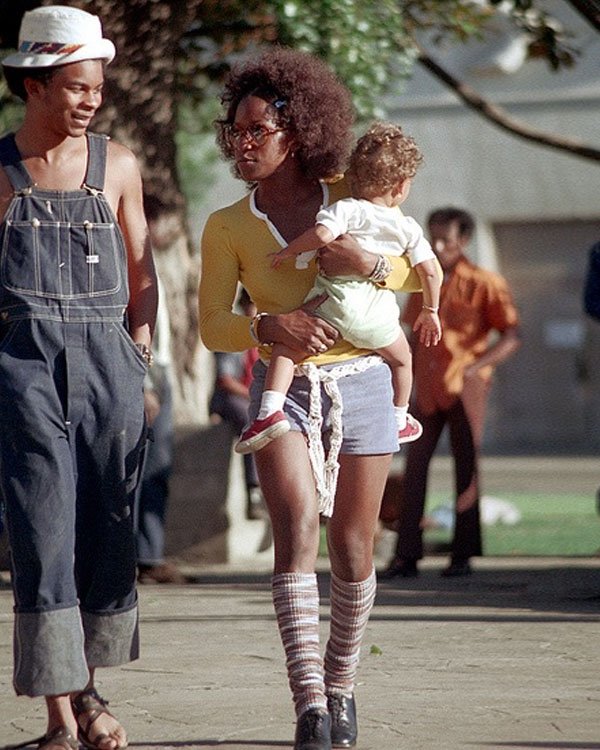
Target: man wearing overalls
(77,308)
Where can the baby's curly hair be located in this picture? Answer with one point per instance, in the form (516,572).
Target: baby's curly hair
(308,99)
(382,157)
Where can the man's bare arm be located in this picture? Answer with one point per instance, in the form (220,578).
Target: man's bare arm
(143,290)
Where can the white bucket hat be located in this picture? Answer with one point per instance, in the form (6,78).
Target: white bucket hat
(57,35)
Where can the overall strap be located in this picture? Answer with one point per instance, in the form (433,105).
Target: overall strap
(96,168)
(11,162)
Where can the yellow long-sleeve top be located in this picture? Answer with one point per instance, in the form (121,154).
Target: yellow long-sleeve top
(236,245)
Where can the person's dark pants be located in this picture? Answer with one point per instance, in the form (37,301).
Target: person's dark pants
(153,491)
(72,426)
(467,530)
(234,410)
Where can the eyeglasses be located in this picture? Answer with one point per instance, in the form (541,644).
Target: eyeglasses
(256,134)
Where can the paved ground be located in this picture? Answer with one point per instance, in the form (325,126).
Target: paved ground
(506,659)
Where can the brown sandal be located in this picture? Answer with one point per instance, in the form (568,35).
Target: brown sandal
(60,736)
(89,702)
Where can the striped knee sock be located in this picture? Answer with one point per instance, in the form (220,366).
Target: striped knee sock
(351,605)
(296,600)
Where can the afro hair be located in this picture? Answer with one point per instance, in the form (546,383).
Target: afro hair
(310,101)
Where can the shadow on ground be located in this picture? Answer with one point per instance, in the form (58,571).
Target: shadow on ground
(540,591)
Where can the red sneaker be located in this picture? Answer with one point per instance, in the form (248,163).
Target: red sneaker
(412,431)
(261,432)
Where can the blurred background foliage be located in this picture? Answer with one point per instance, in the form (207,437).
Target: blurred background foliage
(172,56)
(162,89)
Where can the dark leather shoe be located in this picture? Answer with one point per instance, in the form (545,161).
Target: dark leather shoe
(165,572)
(457,569)
(313,730)
(400,567)
(342,709)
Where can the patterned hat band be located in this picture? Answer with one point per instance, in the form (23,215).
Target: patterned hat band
(57,35)
(48,48)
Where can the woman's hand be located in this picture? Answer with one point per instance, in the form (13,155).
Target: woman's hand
(345,257)
(278,257)
(299,329)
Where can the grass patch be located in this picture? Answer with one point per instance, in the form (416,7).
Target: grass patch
(562,525)
(549,525)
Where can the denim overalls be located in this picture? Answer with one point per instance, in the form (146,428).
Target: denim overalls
(71,428)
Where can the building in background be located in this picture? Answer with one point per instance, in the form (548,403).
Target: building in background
(538,212)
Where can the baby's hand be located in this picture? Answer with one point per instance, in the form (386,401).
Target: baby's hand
(429,327)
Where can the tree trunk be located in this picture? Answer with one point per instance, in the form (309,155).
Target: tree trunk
(590,10)
(140,111)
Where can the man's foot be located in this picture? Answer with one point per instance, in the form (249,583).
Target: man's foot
(313,730)
(165,572)
(412,431)
(344,729)
(457,569)
(261,432)
(98,728)
(399,567)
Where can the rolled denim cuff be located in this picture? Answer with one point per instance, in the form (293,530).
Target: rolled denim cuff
(111,639)
(49,653)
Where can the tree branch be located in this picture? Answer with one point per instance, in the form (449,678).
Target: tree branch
(589,9)
(502,119)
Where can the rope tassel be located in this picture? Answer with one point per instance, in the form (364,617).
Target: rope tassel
(326,468)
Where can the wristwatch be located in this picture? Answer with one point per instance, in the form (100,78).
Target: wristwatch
(146,353)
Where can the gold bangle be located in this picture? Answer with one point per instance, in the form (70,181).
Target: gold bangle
(431,309)
(254,326)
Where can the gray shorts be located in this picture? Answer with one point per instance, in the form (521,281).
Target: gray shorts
(369,426)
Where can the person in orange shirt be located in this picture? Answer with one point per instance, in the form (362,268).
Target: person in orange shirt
(451,387)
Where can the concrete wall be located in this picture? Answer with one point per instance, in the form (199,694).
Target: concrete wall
(206,519)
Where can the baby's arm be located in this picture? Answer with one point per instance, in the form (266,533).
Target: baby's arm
(308,241)
(428,321)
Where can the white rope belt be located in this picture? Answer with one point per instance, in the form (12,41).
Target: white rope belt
(326,468)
